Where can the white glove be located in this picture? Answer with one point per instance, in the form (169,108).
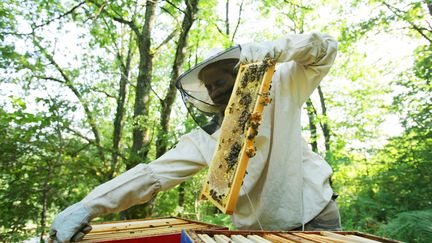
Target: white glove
(71,224)
(257,52)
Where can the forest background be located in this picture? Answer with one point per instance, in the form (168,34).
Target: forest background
(87,92)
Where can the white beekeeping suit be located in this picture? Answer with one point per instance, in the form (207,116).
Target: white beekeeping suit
(287,183)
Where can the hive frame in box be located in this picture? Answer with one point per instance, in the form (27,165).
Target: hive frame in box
(236,141)
(207,236)
(151,230)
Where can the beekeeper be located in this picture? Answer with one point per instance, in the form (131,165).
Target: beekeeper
(287,183)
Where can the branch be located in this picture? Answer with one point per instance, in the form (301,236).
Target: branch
(419,30)
(76,152)
(396,11)
(68,82)
(219,30)
(49,78)
(60,16)
(114,43)
(429,24)
(238,22)
(167,39)
(93,142)
(130,23)
(105,93)
(16,34)
(174,6)
(53,62)
(298,5)
(160,99)
(169,13)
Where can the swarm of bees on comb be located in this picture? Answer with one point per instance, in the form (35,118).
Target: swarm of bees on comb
(235,146)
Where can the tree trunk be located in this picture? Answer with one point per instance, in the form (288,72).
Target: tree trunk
(142,89)
(45,191)
(167,102)
(324,122)
(181,198)
(227,26)
(429,5)
(120,111)
(139,140)
(312,125)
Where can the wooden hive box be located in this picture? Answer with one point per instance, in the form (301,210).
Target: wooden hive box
(222,236)
(144,230)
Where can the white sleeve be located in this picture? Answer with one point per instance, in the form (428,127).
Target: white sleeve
(139,184)
(306,59)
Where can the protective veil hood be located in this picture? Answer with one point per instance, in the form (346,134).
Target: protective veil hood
(195,95)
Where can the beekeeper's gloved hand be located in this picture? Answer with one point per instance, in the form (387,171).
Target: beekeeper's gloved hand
(71,224)
(256,52)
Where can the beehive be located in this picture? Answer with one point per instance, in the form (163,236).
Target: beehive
(222,236)
(144,230)
(236,141)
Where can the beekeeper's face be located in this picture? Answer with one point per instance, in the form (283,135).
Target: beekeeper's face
(219,79)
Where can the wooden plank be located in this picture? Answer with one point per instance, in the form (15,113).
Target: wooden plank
(236,140)
(277,239)
(240,239)
(206,238)
(221,238)
(125,225)
(140,233)
(294,238)
(257,239)
(362,239)
(173,228)
(314,237)
(341,237)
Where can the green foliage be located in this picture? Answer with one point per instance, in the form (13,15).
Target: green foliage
(410,226)
(33,163)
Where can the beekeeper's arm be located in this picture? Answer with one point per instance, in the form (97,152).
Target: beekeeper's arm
(312,55)
(136,186)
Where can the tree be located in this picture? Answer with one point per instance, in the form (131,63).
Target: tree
(388,176)
(179,56)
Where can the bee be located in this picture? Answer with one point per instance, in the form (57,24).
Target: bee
(256,116)
(250,151)
(252,134)
(246,100)
(230,110)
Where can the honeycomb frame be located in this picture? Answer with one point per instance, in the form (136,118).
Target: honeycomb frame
(236,141)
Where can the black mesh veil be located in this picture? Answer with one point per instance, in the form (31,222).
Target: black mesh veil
(195,95)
